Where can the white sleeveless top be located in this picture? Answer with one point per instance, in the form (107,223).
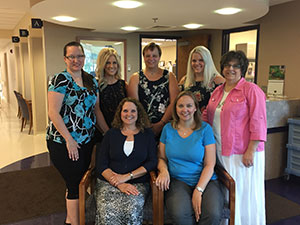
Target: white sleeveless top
(128,147)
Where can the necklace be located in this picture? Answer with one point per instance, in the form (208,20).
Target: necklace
(184,132)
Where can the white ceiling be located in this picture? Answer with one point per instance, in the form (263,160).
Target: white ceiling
(102,16)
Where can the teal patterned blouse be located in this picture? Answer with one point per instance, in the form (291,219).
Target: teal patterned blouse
(77,110)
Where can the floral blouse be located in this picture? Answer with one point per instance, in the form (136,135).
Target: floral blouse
(154,95)
(77,110)
(109,98)
(201,93)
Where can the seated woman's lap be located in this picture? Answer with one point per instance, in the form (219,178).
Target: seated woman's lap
(179,203)
(115,207)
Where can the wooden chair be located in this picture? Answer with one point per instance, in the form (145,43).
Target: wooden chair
(18,96)
(229,183)
(157,215)
(229,208)
(87,184)
(26,113)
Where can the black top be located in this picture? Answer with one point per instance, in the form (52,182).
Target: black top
(201,93)
(154,95)
(110,154)
(110,96)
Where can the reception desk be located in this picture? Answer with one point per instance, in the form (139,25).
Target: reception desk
(278,111)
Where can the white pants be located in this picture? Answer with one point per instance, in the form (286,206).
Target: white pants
(249,188)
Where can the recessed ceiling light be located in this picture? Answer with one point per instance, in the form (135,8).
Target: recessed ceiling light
(64,18)
(129,28)
(192,25)
(127,4)
(228,11)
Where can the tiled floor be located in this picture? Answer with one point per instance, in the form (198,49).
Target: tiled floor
(22,151)
(16,145)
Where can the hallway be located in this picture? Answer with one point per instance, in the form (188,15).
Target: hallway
(16,145)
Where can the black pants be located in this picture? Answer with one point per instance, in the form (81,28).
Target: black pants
(71,171)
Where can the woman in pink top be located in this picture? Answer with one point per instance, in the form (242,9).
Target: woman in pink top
(237,113)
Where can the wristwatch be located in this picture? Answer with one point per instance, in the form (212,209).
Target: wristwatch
(131,175)
(199,189)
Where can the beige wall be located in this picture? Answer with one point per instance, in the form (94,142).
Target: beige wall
(56,36)
(280,45)
(8,75)
(168,54)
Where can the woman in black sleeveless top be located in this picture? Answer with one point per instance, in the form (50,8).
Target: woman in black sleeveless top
(112,89)
(155,88)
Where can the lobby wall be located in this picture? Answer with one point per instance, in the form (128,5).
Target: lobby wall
(56,36)
(280,45)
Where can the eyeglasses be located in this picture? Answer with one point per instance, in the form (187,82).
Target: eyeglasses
(72,57)
(234,66)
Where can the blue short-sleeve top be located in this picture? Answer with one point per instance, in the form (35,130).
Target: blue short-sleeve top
(186,155)
(77,110)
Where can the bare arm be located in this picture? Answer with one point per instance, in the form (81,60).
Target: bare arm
(133,86)
(219,79)
(126,88)
(163,179)
(207,172)
(99,117)
(115,179)
(173,90)
(209,165)
(55,100)
(249,154)
(181,82)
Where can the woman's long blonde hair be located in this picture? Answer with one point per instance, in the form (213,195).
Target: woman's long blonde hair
(209,73)
(102,58)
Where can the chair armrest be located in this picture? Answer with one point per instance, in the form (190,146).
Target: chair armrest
(157,201)
(229,183)
(85,183)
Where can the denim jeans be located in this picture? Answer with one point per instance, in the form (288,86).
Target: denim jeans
(179,203)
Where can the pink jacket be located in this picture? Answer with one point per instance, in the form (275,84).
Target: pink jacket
(243,117)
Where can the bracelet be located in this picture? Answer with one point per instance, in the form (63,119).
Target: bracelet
(199,189)
(131,175)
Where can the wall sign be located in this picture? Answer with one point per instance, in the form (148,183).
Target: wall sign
(23,33)
(36,23)
(15,39)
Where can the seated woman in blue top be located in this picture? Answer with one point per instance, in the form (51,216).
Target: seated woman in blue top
(125,157)
(187,157)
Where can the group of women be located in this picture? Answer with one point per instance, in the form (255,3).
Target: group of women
(214,119)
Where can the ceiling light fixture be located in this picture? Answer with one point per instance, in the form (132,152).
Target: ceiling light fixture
(228,11)
(64,18)
(129,28)
(192,25)
(127,4)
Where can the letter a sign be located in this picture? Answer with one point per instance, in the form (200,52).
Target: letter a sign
(36,23)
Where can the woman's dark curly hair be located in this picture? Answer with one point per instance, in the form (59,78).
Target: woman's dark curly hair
(142,121)
(238,56)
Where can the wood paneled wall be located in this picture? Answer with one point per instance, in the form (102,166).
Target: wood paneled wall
(185,45)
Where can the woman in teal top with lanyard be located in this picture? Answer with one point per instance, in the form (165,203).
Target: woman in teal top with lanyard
(187,156)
